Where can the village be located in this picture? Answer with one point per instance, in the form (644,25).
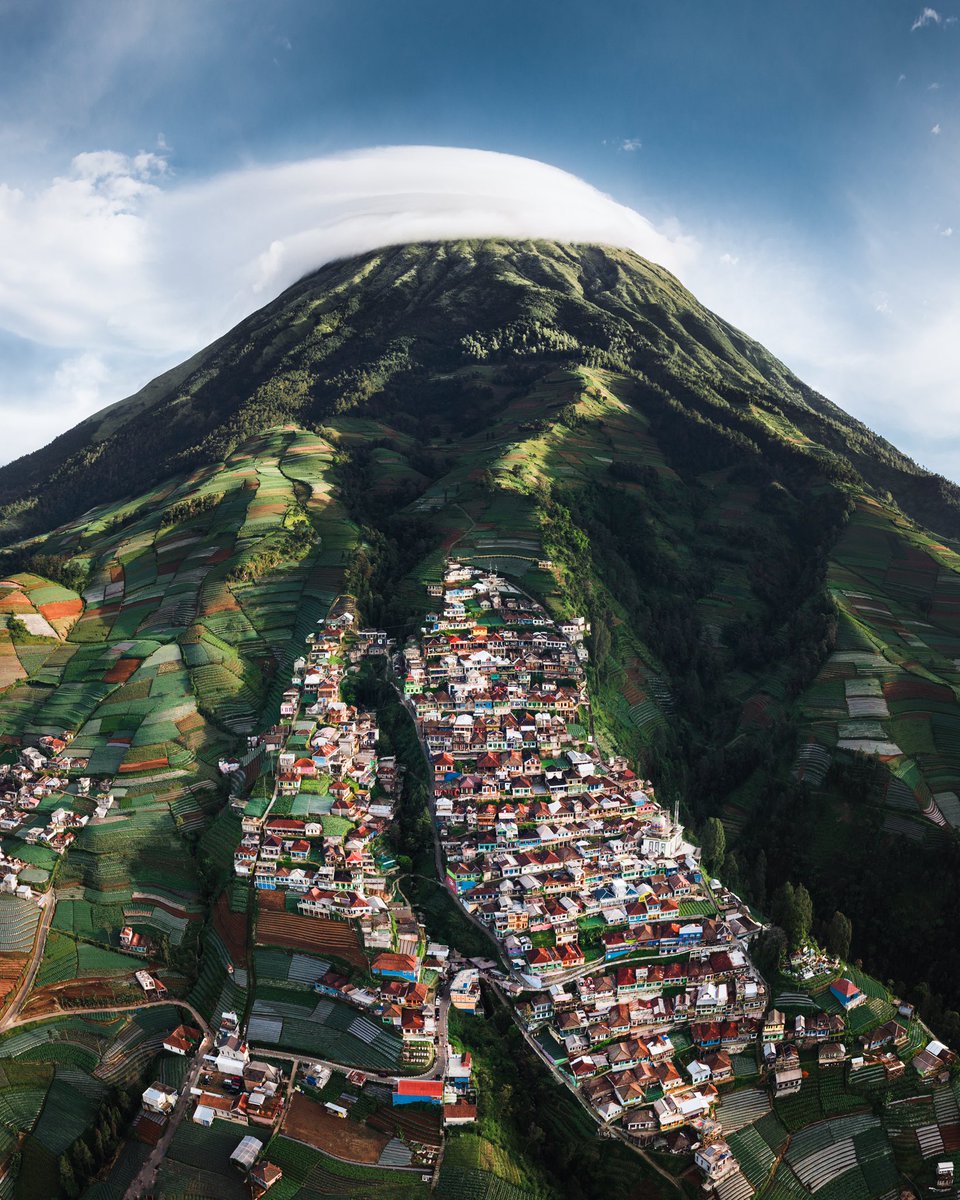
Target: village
(38,794)
(330,869)
(345,876)
(629,967)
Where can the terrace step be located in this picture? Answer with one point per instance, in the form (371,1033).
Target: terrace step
(945,1106)
(930,1140)
(734,1186)
(395,1154)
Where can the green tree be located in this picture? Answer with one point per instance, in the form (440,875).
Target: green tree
(99,1146)
(82,1160)
(792,909)
(758,880)
(802,917)
(731,873)
(713,842)
(769,949)
(68,1180)
(782,905)
(839,935)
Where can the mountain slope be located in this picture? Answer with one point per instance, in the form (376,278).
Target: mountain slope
(765,592)
(369,333)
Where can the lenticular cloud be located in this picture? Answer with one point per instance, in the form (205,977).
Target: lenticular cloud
(117,269)
(284,221)
(119,256)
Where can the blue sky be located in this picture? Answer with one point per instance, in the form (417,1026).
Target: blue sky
(798,162)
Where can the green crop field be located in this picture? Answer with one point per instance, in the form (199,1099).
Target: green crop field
(311,1024)
(308,1172)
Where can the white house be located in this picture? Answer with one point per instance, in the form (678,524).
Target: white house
(699,1072)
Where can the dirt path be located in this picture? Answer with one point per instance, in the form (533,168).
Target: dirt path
(48,903)
(117,1008)
(145,1181)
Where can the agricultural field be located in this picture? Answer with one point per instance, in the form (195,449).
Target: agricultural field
(316,935)
(826,1138)
(55,1074)
(310,1024)
(459,1183)
(308,1121)
(282,967)
(66,959)
(890,687)
(308,1173)
(198,1164)
(466,1151)
(197,594)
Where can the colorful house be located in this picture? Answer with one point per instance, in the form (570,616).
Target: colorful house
(395,966)
(417,1091)
(847,993)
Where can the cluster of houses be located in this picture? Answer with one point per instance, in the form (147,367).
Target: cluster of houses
(615,939)
(588,884)
(326,748)
(630,967)
(231,1086)
(454,1092)
(41,772)
(235,1087)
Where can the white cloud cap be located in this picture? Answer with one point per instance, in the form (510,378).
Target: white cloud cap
(106,258)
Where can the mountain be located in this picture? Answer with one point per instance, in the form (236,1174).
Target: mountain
(432,322)
(774,591)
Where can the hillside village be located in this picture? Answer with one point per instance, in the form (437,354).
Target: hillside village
(627,967)
(630,968)
(333,875)
(331,867)
(348,875)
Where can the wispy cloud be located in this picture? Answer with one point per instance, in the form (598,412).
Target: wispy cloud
(936,129)
(929,16)
(631,144)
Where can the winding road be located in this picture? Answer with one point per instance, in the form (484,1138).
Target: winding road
(169,1002)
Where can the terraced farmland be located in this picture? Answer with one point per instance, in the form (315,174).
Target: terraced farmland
(332,1030)
(308,1172)
(312,934)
